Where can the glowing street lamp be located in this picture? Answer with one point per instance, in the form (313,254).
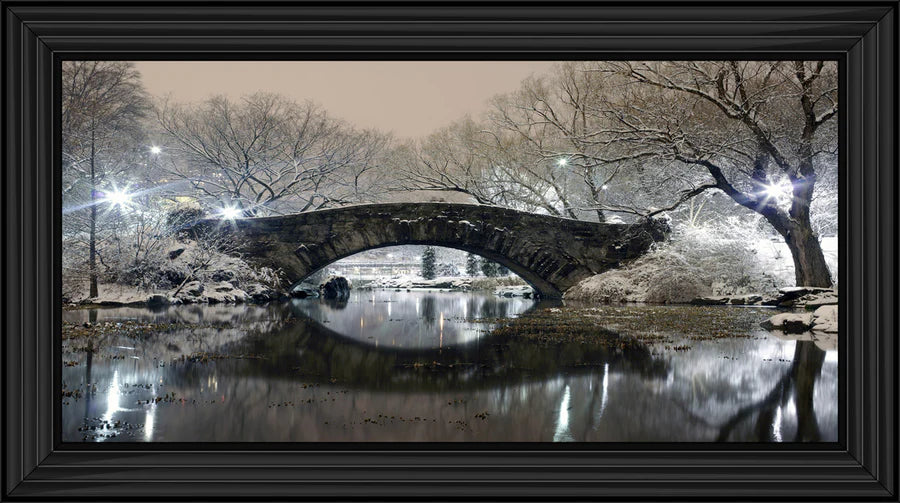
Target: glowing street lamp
(155,150)
(782,189)
(230,213)
(562,162)
(118,197)
(781,192)
(604,187)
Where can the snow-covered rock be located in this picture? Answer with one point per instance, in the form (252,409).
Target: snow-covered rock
(261,293)
(523,291)
(816,301)
(304,290)
(825,319)
(223,292)
(789,322)
(746,300)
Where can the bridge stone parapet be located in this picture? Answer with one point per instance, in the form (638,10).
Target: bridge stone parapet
(550,253)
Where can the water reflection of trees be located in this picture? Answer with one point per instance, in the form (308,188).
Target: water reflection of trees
(798,383)
(428,310)
(493,308)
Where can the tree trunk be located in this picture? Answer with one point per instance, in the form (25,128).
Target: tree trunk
(92,259)
(810,268)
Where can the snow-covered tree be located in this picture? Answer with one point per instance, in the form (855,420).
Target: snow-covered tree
(103,103)
(490,268)
(266,153)
(428,263)
(761,132)
(472,264)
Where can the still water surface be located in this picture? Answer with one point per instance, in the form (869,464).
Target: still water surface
(424,366)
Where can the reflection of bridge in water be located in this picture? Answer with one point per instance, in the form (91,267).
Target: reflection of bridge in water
(550,253)
(307,348)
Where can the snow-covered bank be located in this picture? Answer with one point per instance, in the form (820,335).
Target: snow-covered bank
(507,286)
(194,292)
(687,271)
(190,274)
(412,282)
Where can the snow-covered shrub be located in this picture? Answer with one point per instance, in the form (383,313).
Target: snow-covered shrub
(731,255)
(721,257)
(661,276)
(609,287)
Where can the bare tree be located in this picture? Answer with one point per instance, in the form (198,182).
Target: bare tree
(449,160)
(266,153)
(557,119)
(540,148)
(103,103)
(490,165)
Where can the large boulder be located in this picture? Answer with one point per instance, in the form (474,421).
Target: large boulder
(825,319)
(335,287)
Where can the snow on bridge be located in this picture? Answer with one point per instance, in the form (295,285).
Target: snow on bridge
(550,253)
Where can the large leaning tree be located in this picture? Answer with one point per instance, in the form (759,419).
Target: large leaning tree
(760,132)
(103,104)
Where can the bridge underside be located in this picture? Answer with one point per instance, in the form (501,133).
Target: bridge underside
(552,254)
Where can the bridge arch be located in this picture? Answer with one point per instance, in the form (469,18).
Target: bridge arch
(552,254)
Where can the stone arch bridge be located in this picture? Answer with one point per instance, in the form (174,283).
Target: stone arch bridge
(552,254)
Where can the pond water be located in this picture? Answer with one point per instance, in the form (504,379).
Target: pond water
(390,366)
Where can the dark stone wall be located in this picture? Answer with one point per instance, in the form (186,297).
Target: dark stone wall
(550,253)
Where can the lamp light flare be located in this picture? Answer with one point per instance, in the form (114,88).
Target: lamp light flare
(778,190)
(155,150)
(562,162)
(604,187)
(230,213)
(117,197)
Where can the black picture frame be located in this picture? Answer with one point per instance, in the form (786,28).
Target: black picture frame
(37,35)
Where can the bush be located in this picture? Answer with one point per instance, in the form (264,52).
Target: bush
(718,258)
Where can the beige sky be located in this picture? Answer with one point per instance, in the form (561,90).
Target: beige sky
(410,98)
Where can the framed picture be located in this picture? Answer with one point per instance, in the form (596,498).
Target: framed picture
(451,251)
